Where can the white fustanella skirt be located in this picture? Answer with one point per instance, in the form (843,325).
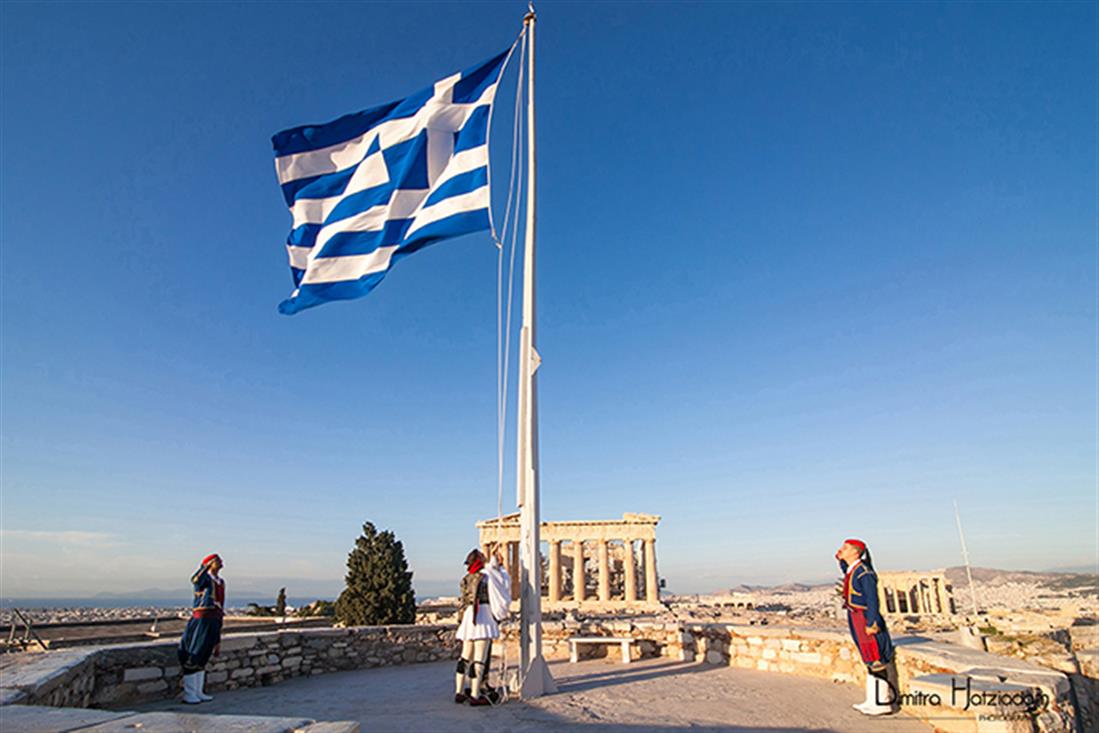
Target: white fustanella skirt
(483,627)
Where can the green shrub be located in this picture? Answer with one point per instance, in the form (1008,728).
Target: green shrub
(379,583)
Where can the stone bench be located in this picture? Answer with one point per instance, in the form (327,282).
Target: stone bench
(623,641)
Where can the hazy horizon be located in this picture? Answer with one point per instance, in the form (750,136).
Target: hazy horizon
(264,590)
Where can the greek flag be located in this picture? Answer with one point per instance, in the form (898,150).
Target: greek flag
(377,185)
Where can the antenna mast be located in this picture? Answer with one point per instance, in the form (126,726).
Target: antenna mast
(965,556)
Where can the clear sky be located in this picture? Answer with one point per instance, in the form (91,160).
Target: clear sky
(806,271)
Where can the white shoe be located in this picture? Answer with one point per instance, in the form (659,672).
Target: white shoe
(879,690)
(869,701)
(190,688)
(876,711)
(201,684)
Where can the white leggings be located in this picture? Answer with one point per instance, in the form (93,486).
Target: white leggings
(473,665)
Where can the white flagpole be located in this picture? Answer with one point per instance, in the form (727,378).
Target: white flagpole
(535,675)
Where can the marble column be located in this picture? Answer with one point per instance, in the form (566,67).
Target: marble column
(652,592)
(513,569)
(504,549)
(631,572)
(554,571)
(604,572)
(578,571)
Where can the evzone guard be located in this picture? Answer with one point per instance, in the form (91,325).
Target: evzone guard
(867,626)
(485,593)
(202,636)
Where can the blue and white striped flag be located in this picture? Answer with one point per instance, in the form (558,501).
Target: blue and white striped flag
(374,186)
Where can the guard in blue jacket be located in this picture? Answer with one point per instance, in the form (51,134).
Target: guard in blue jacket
(202,636)
(867,626)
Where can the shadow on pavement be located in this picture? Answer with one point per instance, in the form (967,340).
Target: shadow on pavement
(626,675)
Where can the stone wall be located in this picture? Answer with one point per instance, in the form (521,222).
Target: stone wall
(57,679)
(1084,642)
(924,667)
(1086,686)
(825,654)
(655,639)
(116,675)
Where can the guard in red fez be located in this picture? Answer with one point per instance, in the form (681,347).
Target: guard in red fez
(864,619)
(202,636)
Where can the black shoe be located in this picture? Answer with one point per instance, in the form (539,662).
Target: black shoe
(460,697)
(477,702)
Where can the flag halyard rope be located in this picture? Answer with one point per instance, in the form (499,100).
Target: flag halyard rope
(504,306)
(504,310)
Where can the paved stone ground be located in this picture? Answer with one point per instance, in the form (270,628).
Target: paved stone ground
(596,695)
(34,719)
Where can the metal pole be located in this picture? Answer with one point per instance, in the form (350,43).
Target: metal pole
(965,556)
(535,676)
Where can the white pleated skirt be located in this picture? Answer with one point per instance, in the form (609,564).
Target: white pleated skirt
(483,627)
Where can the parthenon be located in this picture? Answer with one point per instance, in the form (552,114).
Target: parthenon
(915,593)
(590,565)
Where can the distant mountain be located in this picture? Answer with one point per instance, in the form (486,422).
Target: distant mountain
(742,588)
(1077,570)
(244,590)
(783,588)
(992,576)
(241,591)
(152,594)
(1058,579)
(791,588)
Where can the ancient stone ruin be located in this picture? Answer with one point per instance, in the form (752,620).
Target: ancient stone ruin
(587,565)
(916,594)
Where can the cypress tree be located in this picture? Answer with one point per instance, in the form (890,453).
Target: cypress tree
(280,603)
(379,583)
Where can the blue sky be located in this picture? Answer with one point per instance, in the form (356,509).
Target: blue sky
(806,271)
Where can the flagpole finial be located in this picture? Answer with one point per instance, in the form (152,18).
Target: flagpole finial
(530,12)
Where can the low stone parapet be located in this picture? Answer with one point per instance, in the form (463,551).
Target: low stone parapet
(118,675)
(816,653)
(654,639)
(922,665)
(971,672)
(61,678)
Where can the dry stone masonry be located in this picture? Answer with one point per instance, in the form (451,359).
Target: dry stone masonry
(118,675)
(121,674)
